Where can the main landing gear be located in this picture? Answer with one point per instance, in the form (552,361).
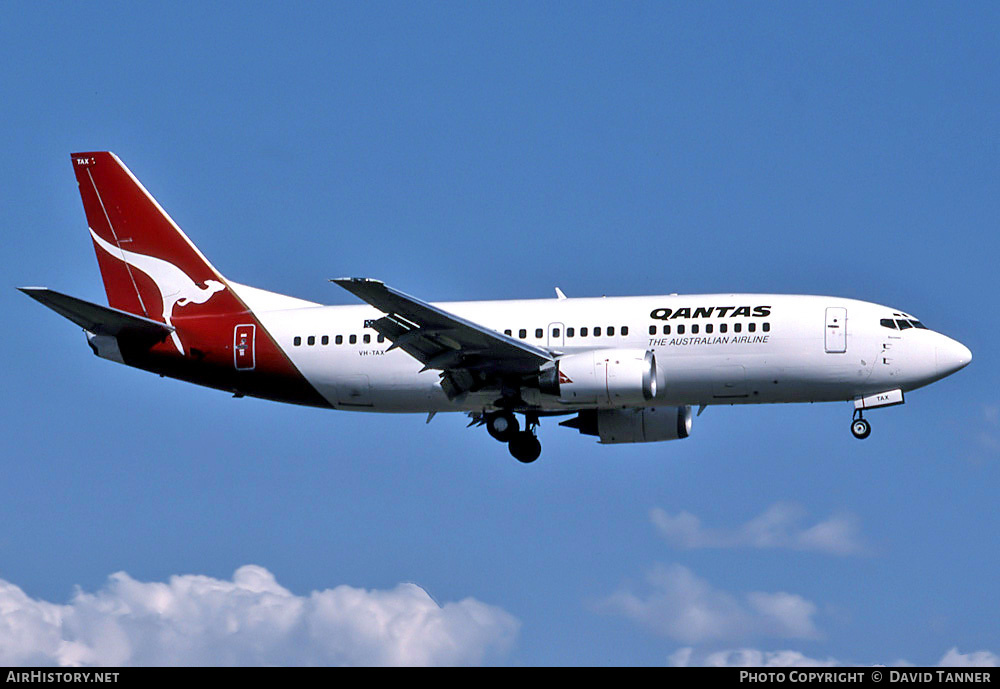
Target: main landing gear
(859,427)
(502,425)
(523,445)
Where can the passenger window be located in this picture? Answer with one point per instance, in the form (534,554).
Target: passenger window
(766,327)
(522,333)
(666,330)
(556,332)
(368,339)
(737,327)
(694,329)
(381,338)
(339,339)
(597,331)
(888,323)
(903,325)
(611,331)
(680,329)
(570,332)
(709,328)
(297,341)
(723,327)
(539,333)
(325,340)
(752,327)
(354,339)
(624,330)
(311,340)
(507,332)
(652,330)
(583,332)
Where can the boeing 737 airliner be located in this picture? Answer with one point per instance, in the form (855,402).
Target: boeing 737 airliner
(625,369)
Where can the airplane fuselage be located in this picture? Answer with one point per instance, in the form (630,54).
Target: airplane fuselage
(709,349)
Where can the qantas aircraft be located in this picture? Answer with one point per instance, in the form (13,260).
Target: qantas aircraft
(624,369)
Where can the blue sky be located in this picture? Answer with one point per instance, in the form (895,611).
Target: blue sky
(464,151)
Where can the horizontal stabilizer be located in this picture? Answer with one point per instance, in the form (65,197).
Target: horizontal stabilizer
(100,320)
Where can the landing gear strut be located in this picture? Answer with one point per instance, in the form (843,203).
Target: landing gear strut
(524,446)
(859,427)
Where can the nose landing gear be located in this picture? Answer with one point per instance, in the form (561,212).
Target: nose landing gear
(860,427)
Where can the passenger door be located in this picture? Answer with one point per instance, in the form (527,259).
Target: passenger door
(244,356)
(836,330)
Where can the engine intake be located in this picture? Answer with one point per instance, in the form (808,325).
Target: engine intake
(606,377)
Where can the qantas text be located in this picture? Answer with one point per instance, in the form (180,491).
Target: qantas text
(711,312)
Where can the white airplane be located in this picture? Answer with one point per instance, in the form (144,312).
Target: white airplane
(626,369)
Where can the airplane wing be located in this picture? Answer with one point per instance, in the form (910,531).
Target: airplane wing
(469,355)
(100,320)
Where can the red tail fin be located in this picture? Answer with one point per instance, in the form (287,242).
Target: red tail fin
(144,257)
(150,268)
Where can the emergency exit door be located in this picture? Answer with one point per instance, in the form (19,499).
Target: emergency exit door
(557,335)
(243,349)
(836,330)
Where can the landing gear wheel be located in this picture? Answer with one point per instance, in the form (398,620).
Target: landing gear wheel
(525,447)
(861,428)
(503,426)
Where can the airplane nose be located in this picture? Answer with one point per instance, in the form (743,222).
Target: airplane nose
(951,356)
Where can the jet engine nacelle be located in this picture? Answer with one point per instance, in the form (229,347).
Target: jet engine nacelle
(648,425)
(607,377)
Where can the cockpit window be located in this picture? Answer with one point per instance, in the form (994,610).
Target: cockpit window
(901,323)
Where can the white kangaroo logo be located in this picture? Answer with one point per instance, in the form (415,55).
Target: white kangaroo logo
(174,284)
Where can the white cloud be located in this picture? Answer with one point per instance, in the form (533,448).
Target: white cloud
(747,657)
(251,620)
(780,526)
(988,433)
(977,659)
(752,657)
(681,606)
